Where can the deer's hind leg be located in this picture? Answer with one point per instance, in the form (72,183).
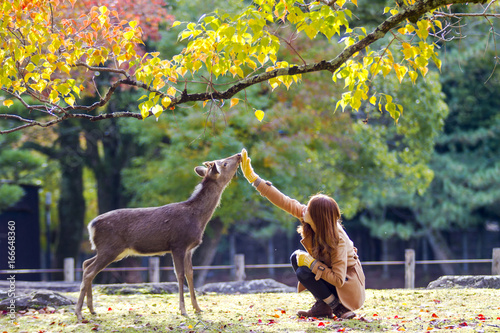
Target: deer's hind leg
(91,268)
(188,267)
(88,292)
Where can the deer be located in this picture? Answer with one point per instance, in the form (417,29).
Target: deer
(175,228)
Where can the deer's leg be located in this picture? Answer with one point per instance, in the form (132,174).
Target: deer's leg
(188,267)
(83,288)
(178,257)
(88,292)
(91,268)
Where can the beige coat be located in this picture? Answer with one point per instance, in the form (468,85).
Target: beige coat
(344,270)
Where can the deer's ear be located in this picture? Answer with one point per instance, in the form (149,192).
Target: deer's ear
(208,164)
(200,171)
(214,170)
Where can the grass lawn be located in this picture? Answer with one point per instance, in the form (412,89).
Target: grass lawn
(398,310)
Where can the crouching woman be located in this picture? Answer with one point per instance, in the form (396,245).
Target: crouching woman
(329,268)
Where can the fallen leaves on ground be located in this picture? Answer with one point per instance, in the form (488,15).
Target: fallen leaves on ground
(395,310)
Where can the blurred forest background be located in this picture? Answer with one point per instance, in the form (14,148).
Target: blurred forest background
(431,182)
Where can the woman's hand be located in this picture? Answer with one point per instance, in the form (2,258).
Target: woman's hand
(246,167)
(304,258)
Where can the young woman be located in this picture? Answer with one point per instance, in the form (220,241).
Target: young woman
(330,269)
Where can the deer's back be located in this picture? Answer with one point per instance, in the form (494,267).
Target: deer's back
(148,230)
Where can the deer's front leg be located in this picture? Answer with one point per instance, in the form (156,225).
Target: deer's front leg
(179,272)
(188,266)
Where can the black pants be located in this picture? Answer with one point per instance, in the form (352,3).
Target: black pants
(319,288)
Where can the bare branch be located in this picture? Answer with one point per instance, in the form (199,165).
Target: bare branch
(103,69)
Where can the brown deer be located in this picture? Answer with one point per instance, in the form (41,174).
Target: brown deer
(176,228)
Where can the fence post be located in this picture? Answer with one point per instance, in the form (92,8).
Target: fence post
(409,269)
(154,269)
(69,269)
(495,266)
(239,267)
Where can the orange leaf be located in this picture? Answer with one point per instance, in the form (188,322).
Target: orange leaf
(234,101)
(8,103)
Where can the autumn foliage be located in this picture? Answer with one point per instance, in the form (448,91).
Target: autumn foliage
(45,48)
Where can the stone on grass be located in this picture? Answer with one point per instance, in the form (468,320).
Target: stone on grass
(247,287)
(466,281)
(34,299)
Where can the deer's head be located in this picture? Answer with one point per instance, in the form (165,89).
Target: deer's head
(220,170)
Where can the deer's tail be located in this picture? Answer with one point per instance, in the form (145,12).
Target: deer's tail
(91,229)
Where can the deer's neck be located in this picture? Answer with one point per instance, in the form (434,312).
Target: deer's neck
(205,199)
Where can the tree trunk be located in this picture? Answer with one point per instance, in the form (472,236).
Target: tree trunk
(106,157)
(205,254)
(440,249)
(107,152)
(71,205)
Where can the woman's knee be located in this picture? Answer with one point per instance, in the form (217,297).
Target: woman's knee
(304,273)
(293,260)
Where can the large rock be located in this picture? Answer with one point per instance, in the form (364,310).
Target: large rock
(247,287)
(34,299)
(466,281)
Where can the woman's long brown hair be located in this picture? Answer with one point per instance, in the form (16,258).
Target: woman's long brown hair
(325,213)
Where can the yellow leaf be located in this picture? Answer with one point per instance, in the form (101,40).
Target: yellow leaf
(157,110)
(234,101)
(176,23)
(144,113)
(165,101)
(53,96)
(205,102)
(259,114)
(373,100)
(8,103)
(171,91)
(128,35)
(70,100)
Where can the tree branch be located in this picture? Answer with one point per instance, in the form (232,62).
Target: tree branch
(411,13)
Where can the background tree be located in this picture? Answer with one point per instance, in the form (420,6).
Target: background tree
(99,146)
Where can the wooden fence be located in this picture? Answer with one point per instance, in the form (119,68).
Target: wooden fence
(240,267)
